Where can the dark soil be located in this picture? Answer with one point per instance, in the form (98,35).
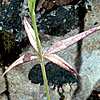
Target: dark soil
(55,75)
(94,96)
(57,22)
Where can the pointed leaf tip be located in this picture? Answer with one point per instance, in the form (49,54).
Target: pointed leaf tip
(59,61)
(63,44)
(23,59)
(31,34)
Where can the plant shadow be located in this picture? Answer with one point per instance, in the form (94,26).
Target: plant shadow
(56,75)
(78,60)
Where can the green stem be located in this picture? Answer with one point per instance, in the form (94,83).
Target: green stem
(36,33)
(32,12)
(41,60)
(45,80)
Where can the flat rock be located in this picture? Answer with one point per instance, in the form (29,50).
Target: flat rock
(86,62)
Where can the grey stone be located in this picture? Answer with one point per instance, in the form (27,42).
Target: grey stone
(87,64)
(0,28)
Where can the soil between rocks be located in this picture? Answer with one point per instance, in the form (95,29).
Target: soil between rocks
(57,82)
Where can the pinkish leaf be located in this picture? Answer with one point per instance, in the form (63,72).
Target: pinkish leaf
(23,59)
(31,34)
(59,61)
(63,44)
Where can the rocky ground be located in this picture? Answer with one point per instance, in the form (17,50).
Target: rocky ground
(25,81)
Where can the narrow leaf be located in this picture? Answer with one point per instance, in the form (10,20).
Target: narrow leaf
(31,5)
(59,61)
(31,34)
(40,2)
(63,44)
(23,59)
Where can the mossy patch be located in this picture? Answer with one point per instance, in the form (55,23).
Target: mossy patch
(7,47)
